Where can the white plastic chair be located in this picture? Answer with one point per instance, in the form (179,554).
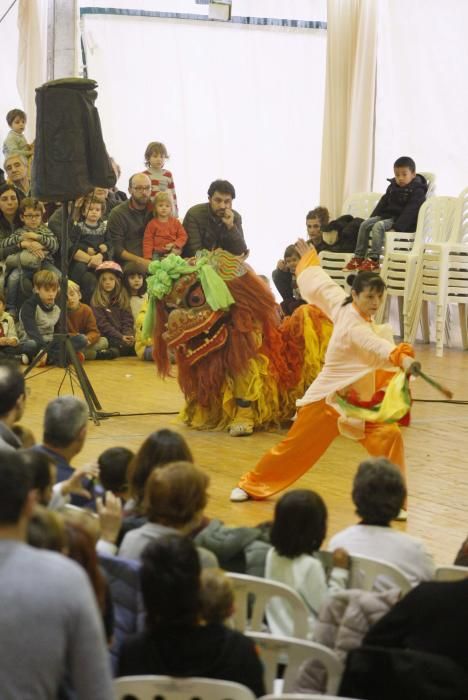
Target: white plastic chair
(402,253)
(431,183)
(361,204)
(252,595)
(275,650)
(443,279)
(450,573)
(366,570)
(168,688)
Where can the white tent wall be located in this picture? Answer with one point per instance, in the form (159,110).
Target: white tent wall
(232,101)
(422,101)
(9,95)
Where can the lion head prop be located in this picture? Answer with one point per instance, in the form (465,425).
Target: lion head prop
(236,363)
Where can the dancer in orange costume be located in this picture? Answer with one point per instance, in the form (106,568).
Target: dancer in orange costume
(360,360)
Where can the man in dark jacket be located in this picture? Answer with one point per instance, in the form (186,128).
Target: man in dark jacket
(215,224)
(398,210)
(127,222)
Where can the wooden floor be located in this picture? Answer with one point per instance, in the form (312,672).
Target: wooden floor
(436,446)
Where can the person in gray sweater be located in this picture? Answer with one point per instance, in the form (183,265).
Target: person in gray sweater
(50,627)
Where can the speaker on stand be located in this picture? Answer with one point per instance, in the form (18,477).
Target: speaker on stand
(70,160)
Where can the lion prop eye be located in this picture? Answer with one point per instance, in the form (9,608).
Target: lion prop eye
(196,297)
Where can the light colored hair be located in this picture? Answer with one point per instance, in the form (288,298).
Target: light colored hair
(64,417)
(161,197)
(118,297)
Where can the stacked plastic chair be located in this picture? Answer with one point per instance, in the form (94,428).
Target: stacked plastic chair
(442,279)
(403,251)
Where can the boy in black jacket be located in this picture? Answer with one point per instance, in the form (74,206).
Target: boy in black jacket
(398,210)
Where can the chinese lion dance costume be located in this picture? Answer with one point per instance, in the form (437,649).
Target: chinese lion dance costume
(239,366)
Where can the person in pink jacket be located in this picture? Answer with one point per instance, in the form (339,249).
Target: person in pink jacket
(361,359)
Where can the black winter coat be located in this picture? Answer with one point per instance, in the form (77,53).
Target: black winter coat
(402,203)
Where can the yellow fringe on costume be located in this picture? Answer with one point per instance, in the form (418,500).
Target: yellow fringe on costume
(271,403)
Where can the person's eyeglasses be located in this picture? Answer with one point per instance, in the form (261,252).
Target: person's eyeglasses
(147,188)
(33,216)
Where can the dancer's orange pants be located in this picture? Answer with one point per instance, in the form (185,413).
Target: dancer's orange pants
(315,427)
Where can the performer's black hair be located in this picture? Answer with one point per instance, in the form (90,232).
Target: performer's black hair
(362,281)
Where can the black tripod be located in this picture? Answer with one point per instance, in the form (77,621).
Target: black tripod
(68,359)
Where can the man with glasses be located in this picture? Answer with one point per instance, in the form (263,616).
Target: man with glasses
(127,222)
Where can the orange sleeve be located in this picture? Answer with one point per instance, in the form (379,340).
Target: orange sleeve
(310,259)
(396,356)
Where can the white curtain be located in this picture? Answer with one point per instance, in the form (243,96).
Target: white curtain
(422,100)
(32,55)
(9,96)
(348,138)
(244,103)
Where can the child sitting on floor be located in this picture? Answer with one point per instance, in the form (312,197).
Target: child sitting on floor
(134,281)
(81,321)
(111,307)
(39,316)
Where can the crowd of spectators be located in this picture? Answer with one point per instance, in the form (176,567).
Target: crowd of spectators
(79,544)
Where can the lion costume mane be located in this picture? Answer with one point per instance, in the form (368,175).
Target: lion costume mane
(238,366)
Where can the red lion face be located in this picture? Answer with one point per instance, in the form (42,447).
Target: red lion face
(193,328)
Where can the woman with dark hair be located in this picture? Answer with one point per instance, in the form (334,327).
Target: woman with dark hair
(175,641)
(378,494)
(298,531)
(159,448)
(360,362)
(10,198)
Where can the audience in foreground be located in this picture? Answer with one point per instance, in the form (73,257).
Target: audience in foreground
(176,641)
(50,627)
(379,494)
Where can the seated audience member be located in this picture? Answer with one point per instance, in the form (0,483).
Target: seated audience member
(379,494)
(175,499)
(316,219)
(215,224)
(284,278)
(164,234)
(39,316)
(127,222)
(134,281)
(50,597)
(397,210)
(16,168)
(10,346)
(10,200)
(91,231)
(113,466)
(12,403)
(52,493)
(15,141)
(143,345)
(160,448)
(299,528)
(65,428)
(433,617)
(31,248)
(81,321)
(111,307)
(217,596)
(175,642)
